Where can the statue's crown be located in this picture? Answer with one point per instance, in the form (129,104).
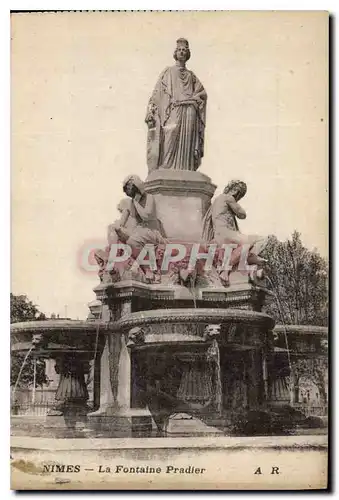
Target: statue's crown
(182,41)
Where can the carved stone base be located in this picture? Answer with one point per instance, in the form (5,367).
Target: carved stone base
(240,295)
(182,198)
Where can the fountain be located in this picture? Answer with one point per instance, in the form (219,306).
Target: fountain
(59,340)
(183,338)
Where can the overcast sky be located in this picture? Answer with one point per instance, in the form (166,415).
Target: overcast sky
(80,86)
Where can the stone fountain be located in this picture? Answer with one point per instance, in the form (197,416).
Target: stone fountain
(164,340)
(74,346)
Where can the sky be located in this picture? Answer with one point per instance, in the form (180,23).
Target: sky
(80,83)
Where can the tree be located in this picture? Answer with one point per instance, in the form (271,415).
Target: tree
(23,309)
(299,279)
(314,370)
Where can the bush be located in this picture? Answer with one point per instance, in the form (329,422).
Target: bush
(313,423)
(271,421)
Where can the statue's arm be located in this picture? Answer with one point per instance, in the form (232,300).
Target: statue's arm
(124,217)
(120,226)
(236,208)
(200,93)
(147,211)
(120,223)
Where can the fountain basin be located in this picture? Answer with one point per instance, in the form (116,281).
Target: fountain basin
(182,326)
(56,335)
(196,315)
(73,345)
(161,359)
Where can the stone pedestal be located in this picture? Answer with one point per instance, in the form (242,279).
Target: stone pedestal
(72,395)
(115,413)
(130,365)
(182,198)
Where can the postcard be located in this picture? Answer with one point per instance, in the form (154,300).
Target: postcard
(169,301)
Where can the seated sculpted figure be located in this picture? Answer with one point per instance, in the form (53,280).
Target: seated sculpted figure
(101,255)
(220,226)
(138,224)
(136,227)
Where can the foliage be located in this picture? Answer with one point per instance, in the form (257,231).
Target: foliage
(279,420)
(262,423)
(27,374)
(315,370)
(299,279)
(23,309)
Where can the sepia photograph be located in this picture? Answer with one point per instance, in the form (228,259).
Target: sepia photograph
(169,250)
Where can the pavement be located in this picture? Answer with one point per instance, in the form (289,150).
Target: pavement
(224,442)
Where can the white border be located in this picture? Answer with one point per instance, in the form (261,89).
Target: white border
(5,7)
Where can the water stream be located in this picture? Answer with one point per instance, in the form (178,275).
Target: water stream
(97,332)
(96,343)
(277,300)
(192,290)
(21,369)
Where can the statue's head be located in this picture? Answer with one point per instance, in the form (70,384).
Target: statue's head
(132,185)
(182,51)
(236,188)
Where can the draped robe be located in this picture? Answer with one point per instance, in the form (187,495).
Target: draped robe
(176,138)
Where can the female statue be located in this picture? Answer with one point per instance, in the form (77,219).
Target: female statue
(176,116)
